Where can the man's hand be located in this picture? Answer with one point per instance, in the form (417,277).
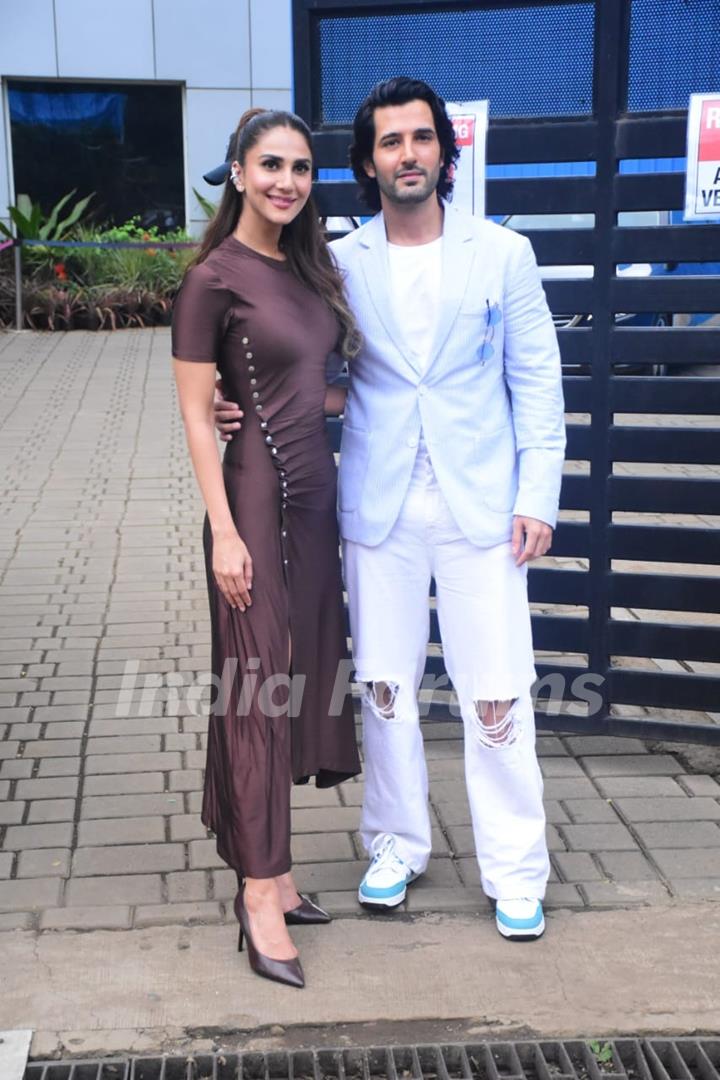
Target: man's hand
(530,539)
(228,414)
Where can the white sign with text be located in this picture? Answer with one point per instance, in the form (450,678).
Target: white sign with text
(702,188)
(470,120)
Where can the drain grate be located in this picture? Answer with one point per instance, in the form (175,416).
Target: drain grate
(612,1059)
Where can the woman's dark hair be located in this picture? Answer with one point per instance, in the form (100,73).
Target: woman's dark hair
(400,91)
(302,241)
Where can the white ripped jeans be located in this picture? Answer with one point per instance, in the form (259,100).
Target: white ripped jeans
(484,623)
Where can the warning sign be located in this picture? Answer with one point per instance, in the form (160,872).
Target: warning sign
(702,191)
(470,120)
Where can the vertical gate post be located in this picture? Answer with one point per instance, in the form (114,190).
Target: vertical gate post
(17,253)
(611,43)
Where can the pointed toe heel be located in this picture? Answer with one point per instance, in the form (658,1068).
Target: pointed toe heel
(306,913)
(289,972)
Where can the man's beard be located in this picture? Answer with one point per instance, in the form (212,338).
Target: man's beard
(409,196)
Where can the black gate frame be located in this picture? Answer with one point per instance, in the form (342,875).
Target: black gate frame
(610,134)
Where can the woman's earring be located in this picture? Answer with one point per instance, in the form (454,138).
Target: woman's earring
(237,182)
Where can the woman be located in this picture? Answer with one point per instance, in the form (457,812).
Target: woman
(263,305)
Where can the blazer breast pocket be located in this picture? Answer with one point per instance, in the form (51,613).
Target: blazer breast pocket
(354,456)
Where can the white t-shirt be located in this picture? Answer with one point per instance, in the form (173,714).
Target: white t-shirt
(415,274)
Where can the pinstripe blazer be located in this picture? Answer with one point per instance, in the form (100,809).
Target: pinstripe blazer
(489,405)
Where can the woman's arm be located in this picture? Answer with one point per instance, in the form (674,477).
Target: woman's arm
(232,564)
(335,398)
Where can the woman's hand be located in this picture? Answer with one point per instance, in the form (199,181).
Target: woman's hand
(233,569)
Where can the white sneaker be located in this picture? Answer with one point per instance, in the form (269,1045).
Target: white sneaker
(387,877)
(520,919)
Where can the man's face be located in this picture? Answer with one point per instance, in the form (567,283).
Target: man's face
(407,156)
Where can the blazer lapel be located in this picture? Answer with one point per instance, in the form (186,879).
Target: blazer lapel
(458,255)
(374,264)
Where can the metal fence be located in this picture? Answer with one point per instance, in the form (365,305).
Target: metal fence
(638,536)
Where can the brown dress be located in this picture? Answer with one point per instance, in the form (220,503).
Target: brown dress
(275,718)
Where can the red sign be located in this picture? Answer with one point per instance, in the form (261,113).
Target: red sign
(709,144)
(464,130)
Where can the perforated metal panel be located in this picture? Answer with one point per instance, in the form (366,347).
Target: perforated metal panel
(674,52)
(510,55)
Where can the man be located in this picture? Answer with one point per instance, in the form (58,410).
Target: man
(450,468)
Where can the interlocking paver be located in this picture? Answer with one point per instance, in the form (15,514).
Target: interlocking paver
(79,917)
(638,786)
(587,745)
(676,834)
(162,914)
(688,862)
(50,810)
(65,766)
(626,865)
(30,894)
(109,806)
(187,885)
(614,893)
(591,811)
(562,894)
(45,862)
(670,810)
(163,761)
(20,837)
(125,830)
(110,571)
(321,847)
(701,785)
(124,784)
(598,837)
(203,855)
(633,765)
(11,813)
(576,866)
(338,819)
(118,889)
(128,859)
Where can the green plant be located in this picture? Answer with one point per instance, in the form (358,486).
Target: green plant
(30,223)
(603,1054)
(207,207)
(158,270)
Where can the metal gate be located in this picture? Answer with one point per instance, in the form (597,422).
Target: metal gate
(634,589)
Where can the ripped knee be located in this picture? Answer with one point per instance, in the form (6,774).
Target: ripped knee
(496,723)
(381,699)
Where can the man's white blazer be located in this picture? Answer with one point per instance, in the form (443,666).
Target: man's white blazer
(489,404)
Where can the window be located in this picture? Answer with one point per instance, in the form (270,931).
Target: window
(122,141)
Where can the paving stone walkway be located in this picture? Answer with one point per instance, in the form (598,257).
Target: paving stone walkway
(104,641)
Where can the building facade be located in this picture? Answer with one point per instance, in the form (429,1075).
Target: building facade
(130,99)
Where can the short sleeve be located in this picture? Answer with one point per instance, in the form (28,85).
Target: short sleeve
(199,316)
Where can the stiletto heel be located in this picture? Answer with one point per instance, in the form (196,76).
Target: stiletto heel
(240,940)
(289,972)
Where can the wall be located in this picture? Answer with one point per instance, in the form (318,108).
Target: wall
(229,54)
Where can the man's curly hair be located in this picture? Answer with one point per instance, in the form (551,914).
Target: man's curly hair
(399,91)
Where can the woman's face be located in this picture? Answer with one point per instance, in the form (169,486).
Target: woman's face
(276,176)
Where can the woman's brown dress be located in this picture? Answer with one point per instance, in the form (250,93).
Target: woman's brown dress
(274,719)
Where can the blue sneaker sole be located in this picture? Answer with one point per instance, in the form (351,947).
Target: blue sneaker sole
(513,933)
(383,902)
